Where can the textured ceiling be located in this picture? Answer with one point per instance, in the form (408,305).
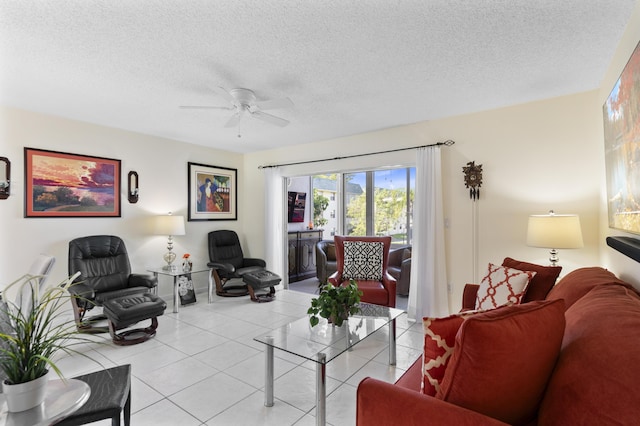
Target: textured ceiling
(348,66)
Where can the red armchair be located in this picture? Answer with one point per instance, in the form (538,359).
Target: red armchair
(377,292)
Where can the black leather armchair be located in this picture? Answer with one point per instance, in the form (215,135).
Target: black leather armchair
(400,268)
(326,263)
(105,273)
(227,262)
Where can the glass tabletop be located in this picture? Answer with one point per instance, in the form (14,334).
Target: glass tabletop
(63,398)
(177,271)
(299,338)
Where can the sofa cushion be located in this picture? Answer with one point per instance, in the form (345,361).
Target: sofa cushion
(363,260)
(502,285)
(439,341)
(503,358)
(541,283)
(596,378)
(579,282)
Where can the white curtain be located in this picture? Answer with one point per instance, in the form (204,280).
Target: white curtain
(274,218)
(428,288)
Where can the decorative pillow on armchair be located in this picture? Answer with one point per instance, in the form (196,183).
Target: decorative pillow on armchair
(502,286)
(363,260)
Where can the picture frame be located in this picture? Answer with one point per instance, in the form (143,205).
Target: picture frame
(62,184)
(212,192)
(621,116)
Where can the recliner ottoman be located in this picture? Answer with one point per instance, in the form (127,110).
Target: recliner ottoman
(125,311)
(261,279)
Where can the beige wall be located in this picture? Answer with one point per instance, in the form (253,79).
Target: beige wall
(161,165)
(538,156)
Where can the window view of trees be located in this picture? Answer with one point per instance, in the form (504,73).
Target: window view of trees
(374,203)
(320,204)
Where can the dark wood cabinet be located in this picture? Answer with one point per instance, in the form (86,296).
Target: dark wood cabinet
(302,258)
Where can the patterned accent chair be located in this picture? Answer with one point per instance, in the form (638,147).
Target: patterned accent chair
(365,260)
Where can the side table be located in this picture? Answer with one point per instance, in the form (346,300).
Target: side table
(63,398)
(176,274)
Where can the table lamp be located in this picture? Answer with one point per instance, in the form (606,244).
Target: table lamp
(169,225)
(554,231)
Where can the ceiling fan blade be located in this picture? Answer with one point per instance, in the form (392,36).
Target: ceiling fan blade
(272,119)
(225,94)
(275,104)
(204,107)
(234,120)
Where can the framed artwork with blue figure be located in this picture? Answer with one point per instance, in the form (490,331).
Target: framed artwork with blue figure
(212,192)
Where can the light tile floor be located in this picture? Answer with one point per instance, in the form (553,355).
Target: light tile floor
(204,368)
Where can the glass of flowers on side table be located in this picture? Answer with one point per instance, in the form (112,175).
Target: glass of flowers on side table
(187,265)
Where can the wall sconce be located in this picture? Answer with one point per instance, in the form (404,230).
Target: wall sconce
(5,178)
(133,190)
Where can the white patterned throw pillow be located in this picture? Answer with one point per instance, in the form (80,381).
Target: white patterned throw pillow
(363,260)
(502,286)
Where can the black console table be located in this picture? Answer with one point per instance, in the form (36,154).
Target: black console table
(302,259)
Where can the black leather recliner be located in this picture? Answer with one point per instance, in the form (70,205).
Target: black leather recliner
(105,273)
(228,262)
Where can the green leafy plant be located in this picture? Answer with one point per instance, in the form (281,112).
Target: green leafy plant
(335,303)
(32,335)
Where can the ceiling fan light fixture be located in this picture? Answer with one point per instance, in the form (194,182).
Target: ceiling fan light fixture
(244,101)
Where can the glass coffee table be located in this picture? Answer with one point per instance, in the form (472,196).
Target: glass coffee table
(325,342)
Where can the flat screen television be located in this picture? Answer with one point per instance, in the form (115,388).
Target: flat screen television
(296,204)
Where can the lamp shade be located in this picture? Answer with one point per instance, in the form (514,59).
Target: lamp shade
(558,231)
(169,225)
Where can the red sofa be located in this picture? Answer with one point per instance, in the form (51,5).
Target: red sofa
(594,382)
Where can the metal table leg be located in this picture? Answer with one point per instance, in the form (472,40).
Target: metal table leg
(392,342)
(176,297)
(154,290)
(321,390)
(210,286)
(268,374)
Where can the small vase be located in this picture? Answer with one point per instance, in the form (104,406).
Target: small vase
(186,265)
(24,396)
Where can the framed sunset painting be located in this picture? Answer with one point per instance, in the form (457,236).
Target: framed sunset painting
(60,184)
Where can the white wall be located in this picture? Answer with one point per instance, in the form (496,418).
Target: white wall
(162,168)
(538,156)
(624,267)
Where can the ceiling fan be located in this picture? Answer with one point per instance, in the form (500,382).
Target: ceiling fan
(244,103)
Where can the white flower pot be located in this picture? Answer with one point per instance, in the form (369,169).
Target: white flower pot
(24,396)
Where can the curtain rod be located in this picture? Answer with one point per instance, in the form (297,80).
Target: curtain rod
(448,142)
